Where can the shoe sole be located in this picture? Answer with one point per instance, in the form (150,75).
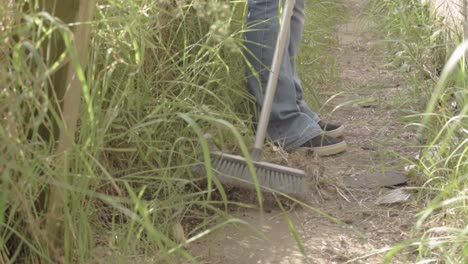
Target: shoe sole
(339,132)
(329,150)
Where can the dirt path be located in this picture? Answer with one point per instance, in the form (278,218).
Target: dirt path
(366,103)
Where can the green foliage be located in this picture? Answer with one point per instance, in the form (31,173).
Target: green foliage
(159,72)
(316,63)
(129,179)
(417,43)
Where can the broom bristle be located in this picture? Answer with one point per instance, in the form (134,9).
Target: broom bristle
(234,170)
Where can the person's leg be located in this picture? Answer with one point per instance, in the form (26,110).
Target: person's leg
(289,125)
(297,27)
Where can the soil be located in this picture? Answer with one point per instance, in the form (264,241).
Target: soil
(377,139)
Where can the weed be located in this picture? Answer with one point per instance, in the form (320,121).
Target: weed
(417,43)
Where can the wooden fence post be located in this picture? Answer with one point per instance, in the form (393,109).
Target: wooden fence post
(465,19)
(68,87)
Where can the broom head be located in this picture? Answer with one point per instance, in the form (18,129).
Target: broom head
(233,170)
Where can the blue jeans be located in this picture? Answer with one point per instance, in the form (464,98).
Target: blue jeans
(292,122)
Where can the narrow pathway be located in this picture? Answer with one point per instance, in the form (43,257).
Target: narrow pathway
(365,104)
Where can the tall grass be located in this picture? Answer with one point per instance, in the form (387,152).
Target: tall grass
(159,73)
(417,39)
(127,181)
(316,62)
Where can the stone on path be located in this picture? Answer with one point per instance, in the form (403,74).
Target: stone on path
(394,196)
(376,179)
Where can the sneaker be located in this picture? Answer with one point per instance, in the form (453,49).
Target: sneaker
(324,145)
(331,130)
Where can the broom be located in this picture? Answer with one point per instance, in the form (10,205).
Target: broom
(232,169)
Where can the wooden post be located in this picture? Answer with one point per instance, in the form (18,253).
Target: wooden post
(465,19)
(68,88)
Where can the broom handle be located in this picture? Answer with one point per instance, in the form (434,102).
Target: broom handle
(273,78)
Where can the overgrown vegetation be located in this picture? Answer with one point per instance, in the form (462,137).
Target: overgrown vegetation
(424,49)
(159,74)
(316,63)
(127,182)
